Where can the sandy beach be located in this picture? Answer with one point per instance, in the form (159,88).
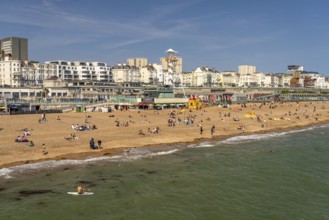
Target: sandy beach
(118,130)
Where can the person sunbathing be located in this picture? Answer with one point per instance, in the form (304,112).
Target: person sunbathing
(24,139)
(27,133)
(68,138)
(18,139)
(21,139)
(75,137)
(236,119)
(140,132)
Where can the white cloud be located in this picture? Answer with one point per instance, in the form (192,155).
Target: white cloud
(51,20)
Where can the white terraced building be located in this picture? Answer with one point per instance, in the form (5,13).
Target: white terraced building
(10,72)
(16,73)
(78,70)
(33,73)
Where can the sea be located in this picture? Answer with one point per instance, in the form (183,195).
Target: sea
(279,175)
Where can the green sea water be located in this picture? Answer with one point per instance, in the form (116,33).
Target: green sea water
(272,176)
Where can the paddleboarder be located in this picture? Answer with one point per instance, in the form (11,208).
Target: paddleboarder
(80,189)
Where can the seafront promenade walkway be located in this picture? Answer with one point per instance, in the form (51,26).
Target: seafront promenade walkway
(66,104)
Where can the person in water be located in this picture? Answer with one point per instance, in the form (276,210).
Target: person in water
(80,189)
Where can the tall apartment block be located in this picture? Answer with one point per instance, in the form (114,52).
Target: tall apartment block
(246,69)
(137,62)
(14,47)
(178,65)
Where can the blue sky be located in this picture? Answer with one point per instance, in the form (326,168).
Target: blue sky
(222,34)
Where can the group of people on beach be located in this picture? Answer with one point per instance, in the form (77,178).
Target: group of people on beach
(84,127)
(30,143)
(154,130)
(71,137)
(93,146)
(23,138)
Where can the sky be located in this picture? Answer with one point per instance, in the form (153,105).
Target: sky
(220,34)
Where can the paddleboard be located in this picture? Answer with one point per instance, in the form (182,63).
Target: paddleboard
(82,194)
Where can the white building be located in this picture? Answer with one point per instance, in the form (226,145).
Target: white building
(313,79)
(167,78)
(10,72)
(204,76)
(228,79)
(34,73)
(78,70)
(16,73)
(159,74)
(125,73)
(215,77)
(327,82)
(148,74)
(267,80)
(186,79)
(321,82)
(283,79)
(248,80)
(200,76)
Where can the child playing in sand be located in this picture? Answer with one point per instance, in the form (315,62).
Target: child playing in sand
(31,144)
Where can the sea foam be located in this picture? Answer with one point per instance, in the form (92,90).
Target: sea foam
(256,137)
(26,168)
(201,145)
(133,154)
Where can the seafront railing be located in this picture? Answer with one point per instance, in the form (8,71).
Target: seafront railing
(53,101)
(117,99)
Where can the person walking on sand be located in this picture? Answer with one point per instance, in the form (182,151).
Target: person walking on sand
(99,142)
(201,129)
(44,150)
(212,130)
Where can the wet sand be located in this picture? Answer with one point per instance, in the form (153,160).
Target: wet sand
(255,118)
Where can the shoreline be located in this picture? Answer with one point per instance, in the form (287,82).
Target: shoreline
(278,117)
(119,151)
